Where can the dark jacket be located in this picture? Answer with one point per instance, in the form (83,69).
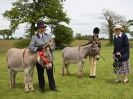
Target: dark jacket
(121,44)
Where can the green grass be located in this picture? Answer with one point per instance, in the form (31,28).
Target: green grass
(71,87)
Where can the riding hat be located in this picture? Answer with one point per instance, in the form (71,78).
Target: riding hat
(40,24)
(118,26)
(96,30)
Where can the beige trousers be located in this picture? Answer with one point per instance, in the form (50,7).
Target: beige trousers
(92,62)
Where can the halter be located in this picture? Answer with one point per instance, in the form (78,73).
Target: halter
(43,56)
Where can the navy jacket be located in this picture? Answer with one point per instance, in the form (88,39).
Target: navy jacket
(121,44)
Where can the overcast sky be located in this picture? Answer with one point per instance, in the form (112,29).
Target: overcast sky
(84,14)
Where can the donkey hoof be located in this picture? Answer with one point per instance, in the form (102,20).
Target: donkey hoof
(12,87)
(27,91)
(32,89)
(68,74)
(79,76)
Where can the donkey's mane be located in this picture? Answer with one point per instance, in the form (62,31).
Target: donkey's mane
(85,44)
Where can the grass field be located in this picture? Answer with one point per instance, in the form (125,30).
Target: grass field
(71,87)
(6,44)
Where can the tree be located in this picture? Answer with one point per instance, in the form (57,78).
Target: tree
(2,34)
(63,35)
(12,38)
(110,19)
(130,24)
(6,33)
(30,11)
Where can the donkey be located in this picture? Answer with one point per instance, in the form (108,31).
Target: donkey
(78,55)
(23,60)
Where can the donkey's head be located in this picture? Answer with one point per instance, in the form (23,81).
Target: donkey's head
(45,58)
(95,50)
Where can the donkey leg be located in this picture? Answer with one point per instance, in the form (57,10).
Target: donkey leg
(82,65)
(67,69)
(11,78)
(14,78)
(31,79)
(63,67)
(80,69)
(26,80)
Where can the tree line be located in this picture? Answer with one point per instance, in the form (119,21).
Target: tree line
(53,13)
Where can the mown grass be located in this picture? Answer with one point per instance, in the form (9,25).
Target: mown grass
(71,87)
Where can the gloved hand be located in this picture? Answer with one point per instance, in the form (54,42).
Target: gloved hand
(118,53)
(117,56)
(40,48)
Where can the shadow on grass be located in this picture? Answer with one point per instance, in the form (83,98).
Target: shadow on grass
(85,75)
(21,86)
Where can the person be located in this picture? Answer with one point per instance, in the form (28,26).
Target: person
(37,43)
(92,60)
(121,54)
(95,36)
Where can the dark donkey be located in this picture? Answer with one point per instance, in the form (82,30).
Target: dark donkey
(78,55)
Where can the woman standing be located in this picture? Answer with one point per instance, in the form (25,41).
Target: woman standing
(37,43)
(121,54)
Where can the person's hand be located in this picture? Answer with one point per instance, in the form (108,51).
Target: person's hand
(118,54)
(113,56)
(40,48)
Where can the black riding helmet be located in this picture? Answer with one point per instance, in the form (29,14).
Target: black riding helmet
(96,30)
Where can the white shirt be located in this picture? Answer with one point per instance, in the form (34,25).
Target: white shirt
(41,34)
(118,35)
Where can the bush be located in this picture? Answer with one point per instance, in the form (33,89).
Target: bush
(63,35)
(22,43)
